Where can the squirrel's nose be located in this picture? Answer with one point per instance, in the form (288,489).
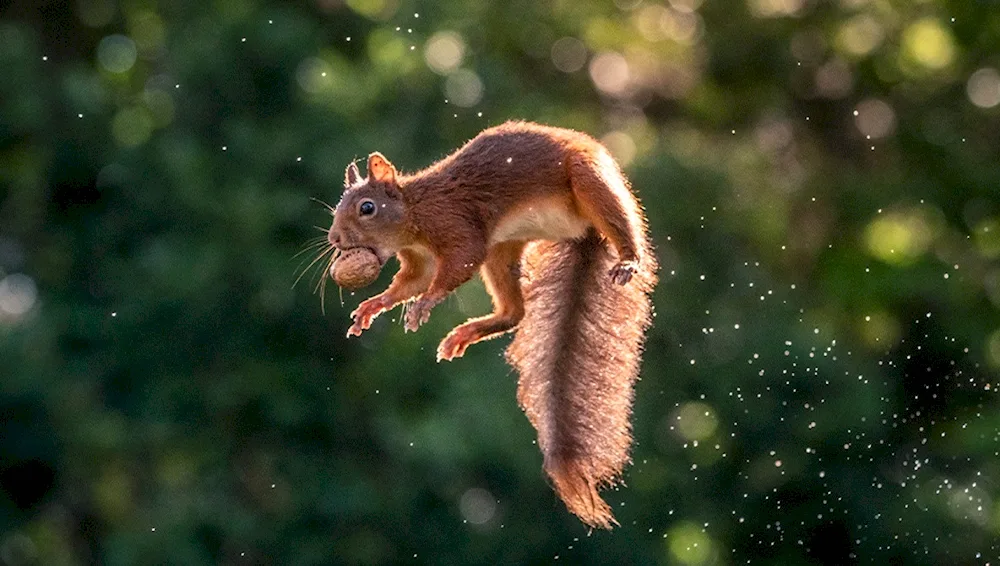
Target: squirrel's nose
(334,238)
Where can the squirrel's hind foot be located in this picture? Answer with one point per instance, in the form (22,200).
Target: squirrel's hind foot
(623,271)
(475,330)
(455,344)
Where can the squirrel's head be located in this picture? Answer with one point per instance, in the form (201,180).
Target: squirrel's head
(371,213)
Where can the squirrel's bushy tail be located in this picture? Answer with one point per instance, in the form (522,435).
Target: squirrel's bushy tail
(577,352)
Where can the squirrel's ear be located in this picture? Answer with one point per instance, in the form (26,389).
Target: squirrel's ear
(379,169)
(352,175)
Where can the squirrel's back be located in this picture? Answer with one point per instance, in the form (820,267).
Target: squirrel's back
(526,139)
(515,179)
(508,157)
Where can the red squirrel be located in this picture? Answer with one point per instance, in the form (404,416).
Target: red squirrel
(548,219)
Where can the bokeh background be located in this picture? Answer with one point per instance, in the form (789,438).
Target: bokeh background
(820,384)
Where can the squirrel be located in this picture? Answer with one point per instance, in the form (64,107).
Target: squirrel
(547,217)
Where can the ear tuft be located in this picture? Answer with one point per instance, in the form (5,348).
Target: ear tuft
(379,169)
(352,175)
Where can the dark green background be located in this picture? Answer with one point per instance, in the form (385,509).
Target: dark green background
(820,380)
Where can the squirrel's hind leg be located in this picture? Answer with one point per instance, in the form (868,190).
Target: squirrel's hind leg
(603,196)
(501,273)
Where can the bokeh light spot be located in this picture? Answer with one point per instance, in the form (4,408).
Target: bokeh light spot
(860,35)
(686,6)
(929,44)
(569,54)
(834,79)
(879,330)
(610,73)
(390,52)
(774,8)
(874,118)
(116,53)
(649,21)
(444,52)
(477,505)
(621,146)
(689,544)
(983,88)
(132,126)
(314,75)
(464,88)
(147,29)
(17,295)
(696,421)
(901,237)
(987,237)
(993,348)
(657,23)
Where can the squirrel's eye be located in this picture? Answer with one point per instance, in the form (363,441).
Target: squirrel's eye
(367,208)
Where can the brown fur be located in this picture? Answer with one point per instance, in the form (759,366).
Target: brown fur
(577,351)
(548,218)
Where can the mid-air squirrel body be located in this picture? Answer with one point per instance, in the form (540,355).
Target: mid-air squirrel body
(547,218)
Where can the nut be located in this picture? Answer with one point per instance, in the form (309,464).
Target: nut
(356,268)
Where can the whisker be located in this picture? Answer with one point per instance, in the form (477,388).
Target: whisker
(325,271)
(311,247)
(313,263)
(330,208)
(321,229)
(322,295)
(322,273)
(314,240)
(325,276)
(299,268)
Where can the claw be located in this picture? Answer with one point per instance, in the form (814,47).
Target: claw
(622,272)
(418,313)
(453,346)
(365,314)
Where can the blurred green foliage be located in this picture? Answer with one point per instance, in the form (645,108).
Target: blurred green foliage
(819,386)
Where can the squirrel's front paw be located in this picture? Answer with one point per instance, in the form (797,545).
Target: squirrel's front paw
(365,314)
(416,314)
(623,271)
